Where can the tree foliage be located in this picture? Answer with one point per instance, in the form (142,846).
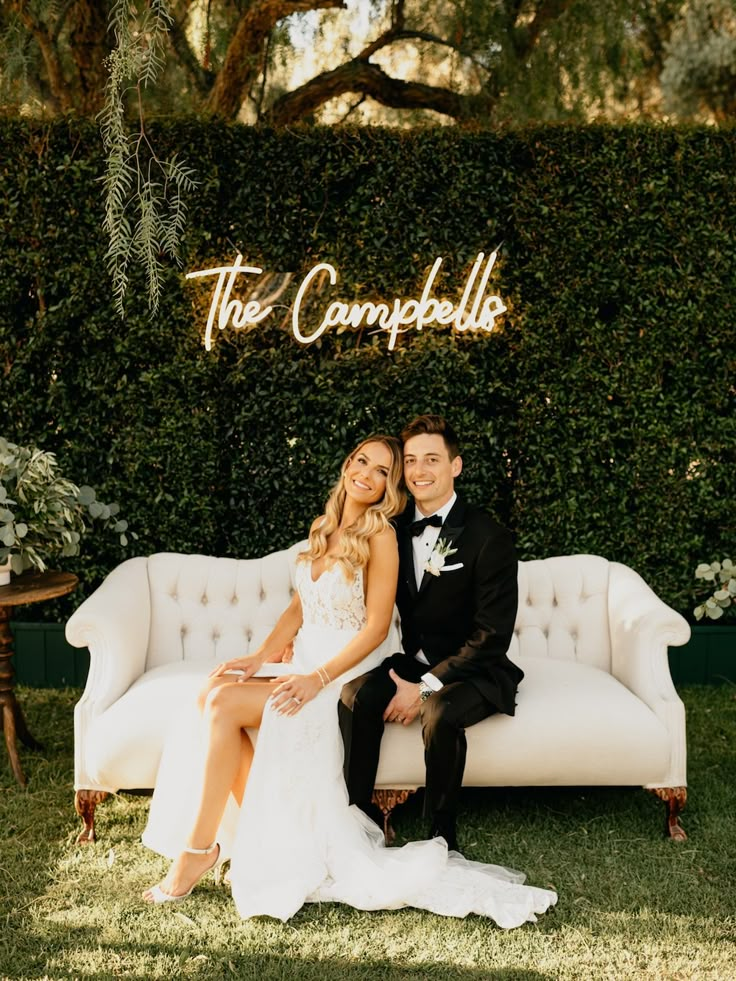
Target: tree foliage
(476,62)
(699,72)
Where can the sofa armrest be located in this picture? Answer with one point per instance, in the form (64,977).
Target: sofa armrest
(642,628)
(114,624)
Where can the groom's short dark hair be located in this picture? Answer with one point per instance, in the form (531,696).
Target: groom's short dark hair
(431,425)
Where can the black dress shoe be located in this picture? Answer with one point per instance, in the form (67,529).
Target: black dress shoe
(445,829)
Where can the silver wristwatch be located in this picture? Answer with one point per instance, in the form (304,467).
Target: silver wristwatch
(424,691)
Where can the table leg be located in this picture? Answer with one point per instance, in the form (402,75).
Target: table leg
(21,728)
(9,732)
(14,723)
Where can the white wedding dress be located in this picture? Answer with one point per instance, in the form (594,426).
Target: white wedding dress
(296,839)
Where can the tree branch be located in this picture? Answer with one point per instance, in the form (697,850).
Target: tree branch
(546,12)
(355,106)
(60,19)
(395,34)
(363,78)
(88,42)
(244,56)
(397,15)
(49,53)
(200,77)
(264,76)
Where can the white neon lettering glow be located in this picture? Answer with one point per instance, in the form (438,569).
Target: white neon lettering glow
(243,314)
(475,311)
(306,283)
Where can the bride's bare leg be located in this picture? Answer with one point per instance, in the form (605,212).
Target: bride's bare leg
(211,685)
(229,709)
(246,757)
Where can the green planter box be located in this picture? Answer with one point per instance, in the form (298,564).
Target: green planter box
(709,657)
(43,658)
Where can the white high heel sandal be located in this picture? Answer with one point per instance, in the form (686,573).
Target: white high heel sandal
(157,895)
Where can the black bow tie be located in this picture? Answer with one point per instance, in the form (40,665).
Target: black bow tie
(417,527)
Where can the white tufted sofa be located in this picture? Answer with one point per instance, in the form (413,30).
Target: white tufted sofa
(597,705)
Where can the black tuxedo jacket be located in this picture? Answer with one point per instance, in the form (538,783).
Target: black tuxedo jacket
(464,619)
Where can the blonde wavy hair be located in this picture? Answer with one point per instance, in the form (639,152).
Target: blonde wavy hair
(354,548)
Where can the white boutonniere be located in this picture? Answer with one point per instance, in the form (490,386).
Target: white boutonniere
(436,561)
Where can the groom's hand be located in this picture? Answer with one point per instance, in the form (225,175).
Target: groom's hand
(404,706)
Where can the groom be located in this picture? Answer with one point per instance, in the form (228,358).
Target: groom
(457,597)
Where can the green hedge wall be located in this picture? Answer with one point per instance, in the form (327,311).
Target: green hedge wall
(599,418)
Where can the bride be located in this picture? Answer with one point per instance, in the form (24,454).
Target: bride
(281,813)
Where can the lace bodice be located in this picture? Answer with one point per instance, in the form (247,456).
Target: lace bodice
(331,601)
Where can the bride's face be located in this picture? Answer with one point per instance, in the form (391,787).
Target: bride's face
(365,475)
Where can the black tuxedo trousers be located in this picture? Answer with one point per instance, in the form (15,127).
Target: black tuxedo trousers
(444,718)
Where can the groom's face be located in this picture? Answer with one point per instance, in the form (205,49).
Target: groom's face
(429,472)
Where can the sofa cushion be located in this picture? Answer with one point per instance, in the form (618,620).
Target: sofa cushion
(574,724)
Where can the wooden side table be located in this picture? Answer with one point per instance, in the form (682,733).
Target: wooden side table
(30,587)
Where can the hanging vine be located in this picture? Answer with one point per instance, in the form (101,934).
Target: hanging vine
(145,210)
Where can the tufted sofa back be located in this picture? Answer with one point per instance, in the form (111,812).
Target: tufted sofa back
(206,608)
(563,610)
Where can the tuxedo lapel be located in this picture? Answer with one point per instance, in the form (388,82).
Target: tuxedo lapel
(406,557)
(450,531)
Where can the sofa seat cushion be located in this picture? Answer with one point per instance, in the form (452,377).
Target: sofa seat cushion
(574,725)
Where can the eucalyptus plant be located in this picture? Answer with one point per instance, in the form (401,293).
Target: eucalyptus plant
(724,598)
(44,515)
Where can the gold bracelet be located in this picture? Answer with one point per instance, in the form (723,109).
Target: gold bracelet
(322,676)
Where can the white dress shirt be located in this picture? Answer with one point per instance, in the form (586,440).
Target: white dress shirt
(422,546)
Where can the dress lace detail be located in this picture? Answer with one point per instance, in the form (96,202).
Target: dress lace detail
(296,839)
(331,601)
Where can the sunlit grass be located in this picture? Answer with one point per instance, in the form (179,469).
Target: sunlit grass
(632,904)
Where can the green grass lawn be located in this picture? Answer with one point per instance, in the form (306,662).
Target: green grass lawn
(632,904)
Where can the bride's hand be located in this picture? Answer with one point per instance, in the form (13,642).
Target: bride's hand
(291,693)
(242,667)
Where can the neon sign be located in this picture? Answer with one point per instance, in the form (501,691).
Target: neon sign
(475,310)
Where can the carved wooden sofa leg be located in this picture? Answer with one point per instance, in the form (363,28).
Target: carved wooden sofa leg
(85,802)
(674,798)
(386,801)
